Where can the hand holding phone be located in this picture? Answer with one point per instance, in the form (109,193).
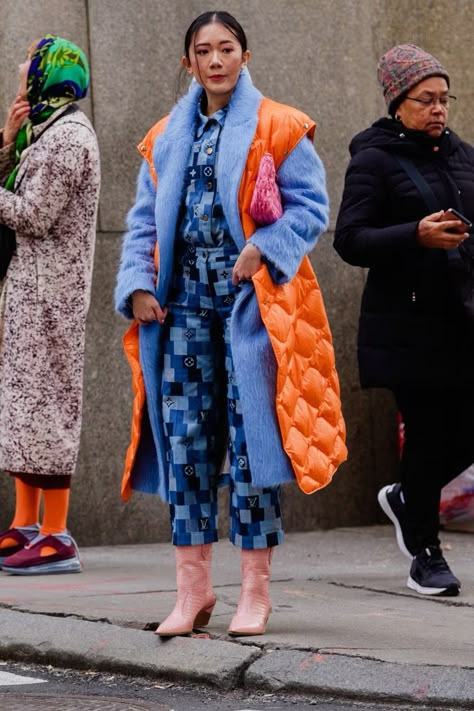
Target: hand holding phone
(452,214)
(443,230)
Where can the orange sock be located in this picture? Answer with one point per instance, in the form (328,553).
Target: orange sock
(56,507)
(26,509)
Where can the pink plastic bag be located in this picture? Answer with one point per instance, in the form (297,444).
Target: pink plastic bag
(457,502)
(266,207)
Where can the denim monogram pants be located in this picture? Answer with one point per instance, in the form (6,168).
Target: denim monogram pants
(197,358)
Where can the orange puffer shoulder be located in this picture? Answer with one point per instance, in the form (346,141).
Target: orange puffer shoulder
(279,129)
(145,147)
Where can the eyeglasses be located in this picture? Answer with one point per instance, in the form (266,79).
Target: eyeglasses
(433,100)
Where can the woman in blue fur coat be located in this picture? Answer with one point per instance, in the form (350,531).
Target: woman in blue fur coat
(207,362)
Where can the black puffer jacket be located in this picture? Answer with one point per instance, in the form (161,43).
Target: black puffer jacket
(412,329)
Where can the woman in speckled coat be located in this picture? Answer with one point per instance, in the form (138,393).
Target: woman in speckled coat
(50,178)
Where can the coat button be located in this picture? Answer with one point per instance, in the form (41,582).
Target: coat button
(402,135)
(143,149)
(306,125)
(209,150)
(204,218)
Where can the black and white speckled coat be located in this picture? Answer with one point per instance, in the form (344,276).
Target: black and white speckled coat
(45,295)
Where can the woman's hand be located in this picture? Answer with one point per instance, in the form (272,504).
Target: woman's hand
(435,233)
(248,263)
(146,308)
(17,113)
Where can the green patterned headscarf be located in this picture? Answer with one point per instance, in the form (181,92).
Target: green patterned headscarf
(58,75)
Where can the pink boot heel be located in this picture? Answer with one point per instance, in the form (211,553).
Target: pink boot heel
(254,605)
(203,617)
(195,599)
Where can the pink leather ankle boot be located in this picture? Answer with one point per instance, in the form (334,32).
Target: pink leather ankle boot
(254,605)
(195,600)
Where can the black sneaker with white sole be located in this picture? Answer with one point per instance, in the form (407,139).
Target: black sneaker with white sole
(392,504)
(430,574)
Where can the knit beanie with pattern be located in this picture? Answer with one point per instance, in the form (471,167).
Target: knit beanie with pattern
(404,66)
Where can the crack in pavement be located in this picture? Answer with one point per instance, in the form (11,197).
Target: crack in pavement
(447,601)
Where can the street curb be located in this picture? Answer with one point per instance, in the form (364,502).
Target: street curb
(81,644)
(361,679)
(66,641)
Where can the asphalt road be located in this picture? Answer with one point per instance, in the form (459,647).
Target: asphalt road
(24,687)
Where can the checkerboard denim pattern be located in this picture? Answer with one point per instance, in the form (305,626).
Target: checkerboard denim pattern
(190,413)
(197,349)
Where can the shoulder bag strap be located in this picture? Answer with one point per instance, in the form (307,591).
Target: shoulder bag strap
(428,196)
(414,174)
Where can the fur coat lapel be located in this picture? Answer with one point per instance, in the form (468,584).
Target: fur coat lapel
(170,156)
(237,136)
(250,340)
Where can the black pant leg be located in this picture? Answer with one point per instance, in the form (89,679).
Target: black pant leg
(439,445)
(421,464)
(459,433)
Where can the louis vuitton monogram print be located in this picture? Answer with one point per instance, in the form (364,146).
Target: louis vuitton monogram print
(199,315)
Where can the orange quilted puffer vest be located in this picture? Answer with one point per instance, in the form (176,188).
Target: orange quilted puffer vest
(308,401)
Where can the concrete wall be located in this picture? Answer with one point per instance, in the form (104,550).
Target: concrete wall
(319,55)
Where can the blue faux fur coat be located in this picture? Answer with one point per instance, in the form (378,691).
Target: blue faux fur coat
(283,244)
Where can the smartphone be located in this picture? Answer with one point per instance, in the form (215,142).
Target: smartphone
(452,214)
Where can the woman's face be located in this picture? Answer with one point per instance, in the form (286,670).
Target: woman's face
(215,61)
(23,70)
(425,108)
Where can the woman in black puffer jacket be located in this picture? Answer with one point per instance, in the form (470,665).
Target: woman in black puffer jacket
(414,337)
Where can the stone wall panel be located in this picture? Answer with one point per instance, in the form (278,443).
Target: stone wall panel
(318,55)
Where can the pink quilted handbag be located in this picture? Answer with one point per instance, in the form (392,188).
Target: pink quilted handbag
(265,206)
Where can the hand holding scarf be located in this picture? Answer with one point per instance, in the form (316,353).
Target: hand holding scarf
(58,74)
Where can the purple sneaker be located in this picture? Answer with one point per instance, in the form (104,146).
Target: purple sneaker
(29,560)
(22,535)
(431,575)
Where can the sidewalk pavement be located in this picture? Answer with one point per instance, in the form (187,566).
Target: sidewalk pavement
(343,622)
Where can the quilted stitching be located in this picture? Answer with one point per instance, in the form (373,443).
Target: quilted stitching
(308,395)
(308,400)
